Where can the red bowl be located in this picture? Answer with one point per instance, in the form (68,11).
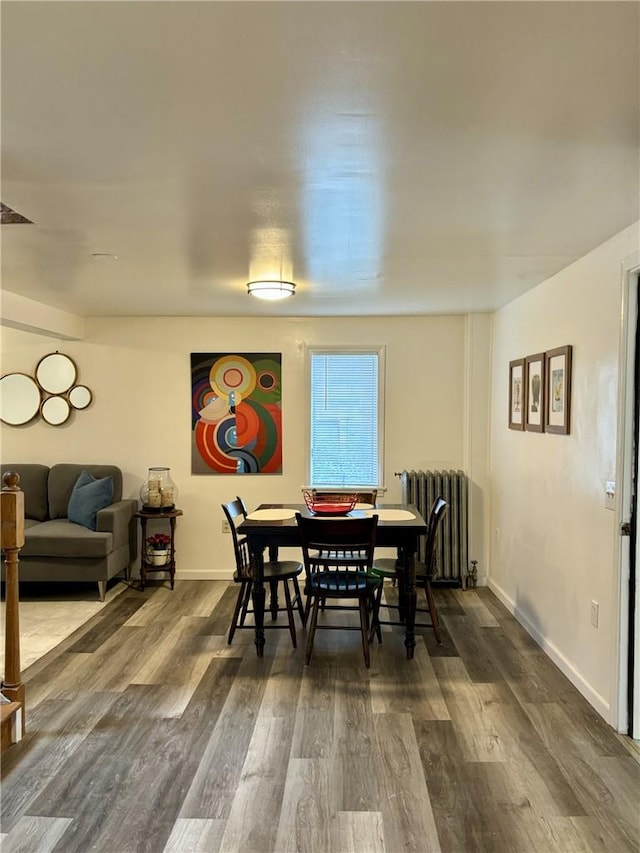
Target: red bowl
(334,505)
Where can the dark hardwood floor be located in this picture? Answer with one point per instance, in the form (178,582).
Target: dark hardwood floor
(147,732)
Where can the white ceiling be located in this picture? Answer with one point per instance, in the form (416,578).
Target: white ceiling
(389,157)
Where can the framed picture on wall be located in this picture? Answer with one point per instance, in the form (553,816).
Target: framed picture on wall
(236,413)
(557,396)
(516,394)
(534,392)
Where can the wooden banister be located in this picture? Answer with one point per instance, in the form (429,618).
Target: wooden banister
(12,540)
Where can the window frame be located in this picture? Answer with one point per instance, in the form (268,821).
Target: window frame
(346,350)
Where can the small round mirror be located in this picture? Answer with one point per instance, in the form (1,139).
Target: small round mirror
(56,373)
(19,399)
(55,410)
(80,396)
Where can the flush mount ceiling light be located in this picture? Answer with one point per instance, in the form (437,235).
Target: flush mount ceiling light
(271,290)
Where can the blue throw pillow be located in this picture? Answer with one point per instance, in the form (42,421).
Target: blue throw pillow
(88,496)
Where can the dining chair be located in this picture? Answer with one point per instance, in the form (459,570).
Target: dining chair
(392,569)
(276,572)
(368,497)
(338,556)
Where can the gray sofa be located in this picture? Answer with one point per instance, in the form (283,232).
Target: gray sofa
(57,549)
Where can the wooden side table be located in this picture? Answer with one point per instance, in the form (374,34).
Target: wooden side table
(145,564)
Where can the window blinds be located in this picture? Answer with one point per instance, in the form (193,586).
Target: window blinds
(344,419)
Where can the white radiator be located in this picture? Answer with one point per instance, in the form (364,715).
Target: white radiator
(421,488)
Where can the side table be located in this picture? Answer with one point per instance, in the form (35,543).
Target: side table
(145,564)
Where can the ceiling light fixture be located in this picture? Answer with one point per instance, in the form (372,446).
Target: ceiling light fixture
(271,290)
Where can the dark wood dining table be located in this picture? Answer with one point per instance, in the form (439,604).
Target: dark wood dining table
(401,534)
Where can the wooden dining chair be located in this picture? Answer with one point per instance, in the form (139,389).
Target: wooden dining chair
(338,556)
(276,573)
(368,497)
(392,569)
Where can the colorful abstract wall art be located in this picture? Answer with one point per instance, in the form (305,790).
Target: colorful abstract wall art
(236,413)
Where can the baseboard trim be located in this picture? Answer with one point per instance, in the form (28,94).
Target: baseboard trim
(208,575)
(592,696)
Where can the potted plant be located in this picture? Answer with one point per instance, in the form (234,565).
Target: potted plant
(158,549)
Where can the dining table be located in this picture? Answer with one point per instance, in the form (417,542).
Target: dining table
(273,525)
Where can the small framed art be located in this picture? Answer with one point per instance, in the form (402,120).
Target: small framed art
(557,396)
(516,393)
(534,392)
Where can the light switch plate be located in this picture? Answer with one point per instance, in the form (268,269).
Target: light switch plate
(610,494)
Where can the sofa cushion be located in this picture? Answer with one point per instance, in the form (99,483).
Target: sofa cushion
(88,496)
(33,482)
(63,477)
(62,538)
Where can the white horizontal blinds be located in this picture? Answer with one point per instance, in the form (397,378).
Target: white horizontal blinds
(344,419)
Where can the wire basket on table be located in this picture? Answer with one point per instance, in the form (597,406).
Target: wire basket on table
(329,503)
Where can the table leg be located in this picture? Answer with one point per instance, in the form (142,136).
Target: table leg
(402,585)
(411,597)
(258,598)
(273,597)
(172,562)
(143,552)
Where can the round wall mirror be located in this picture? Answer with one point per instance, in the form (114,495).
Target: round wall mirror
(55,410)
(19,399)
(80,396)
(56,373)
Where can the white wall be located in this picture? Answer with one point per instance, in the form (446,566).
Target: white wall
(476,441)
(553,543)
(139,372)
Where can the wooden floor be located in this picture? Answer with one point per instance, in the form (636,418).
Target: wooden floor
(146,732)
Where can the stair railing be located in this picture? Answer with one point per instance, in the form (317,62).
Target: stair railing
(12,540)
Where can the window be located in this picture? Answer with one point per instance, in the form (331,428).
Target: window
(346,417)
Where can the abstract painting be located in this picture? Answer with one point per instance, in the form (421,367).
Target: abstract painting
(236,413)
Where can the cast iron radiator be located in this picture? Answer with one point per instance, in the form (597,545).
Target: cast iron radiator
(421,488)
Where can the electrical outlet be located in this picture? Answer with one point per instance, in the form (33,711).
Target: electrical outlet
(610,494)
(595,612)
(225,526)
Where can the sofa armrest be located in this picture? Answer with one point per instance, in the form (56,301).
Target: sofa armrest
(118,520)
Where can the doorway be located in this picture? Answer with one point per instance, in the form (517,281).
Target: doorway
(627,515)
